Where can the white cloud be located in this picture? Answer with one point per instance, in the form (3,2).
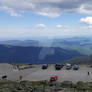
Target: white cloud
(10,11)
(87,20)
(49,14)
(41,26)
(50,8)
(59,26)
(85,11)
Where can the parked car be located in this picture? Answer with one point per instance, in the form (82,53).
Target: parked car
(68,66)
(4,77)
(91,66)
(58,66)
(53,78)
(45,66)
(75,67)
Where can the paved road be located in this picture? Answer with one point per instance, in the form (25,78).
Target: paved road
(37,74)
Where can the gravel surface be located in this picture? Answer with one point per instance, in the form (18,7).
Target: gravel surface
(37,74)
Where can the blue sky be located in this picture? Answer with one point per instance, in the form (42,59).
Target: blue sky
(51,18)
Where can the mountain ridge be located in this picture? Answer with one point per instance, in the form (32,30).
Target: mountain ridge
(31,54)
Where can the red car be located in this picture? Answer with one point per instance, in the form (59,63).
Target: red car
(53,78)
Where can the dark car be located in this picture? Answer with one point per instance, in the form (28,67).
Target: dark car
(4,77)
(58,66)
(75,67)
(91,66)
(45,66)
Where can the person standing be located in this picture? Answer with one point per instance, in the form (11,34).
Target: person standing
(88,73)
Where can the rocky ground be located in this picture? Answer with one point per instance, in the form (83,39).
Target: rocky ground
(45,86)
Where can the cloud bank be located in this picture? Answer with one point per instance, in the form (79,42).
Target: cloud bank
(50,8)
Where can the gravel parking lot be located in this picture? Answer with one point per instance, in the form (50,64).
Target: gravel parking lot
(37,74)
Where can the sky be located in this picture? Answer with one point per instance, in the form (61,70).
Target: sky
(45,18)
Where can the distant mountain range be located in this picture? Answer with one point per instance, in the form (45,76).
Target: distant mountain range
(20,43)
(82,45)
(35,55)
(45,50)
